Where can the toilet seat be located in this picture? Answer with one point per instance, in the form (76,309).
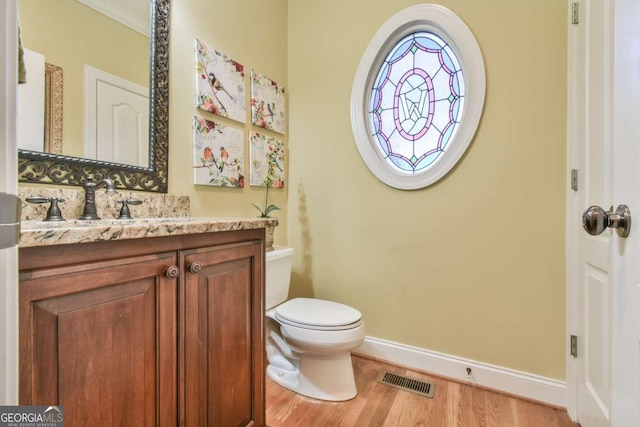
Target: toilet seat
(317,314)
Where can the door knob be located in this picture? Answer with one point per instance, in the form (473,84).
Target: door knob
(595,220)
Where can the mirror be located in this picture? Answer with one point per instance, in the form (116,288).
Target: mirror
(63,169)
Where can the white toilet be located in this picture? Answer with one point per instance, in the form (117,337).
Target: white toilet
(309,341)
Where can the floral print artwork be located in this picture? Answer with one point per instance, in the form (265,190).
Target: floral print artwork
(267,103)
(220,87)
(218,154)
(267,160)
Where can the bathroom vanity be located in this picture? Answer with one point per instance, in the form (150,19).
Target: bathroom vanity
(146,322)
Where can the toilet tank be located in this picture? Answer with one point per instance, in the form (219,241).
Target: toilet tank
(278,275)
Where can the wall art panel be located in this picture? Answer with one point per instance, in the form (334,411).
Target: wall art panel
(218,154)
(267,103)
(220,87)
(267,160)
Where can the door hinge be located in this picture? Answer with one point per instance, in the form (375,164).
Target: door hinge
(574,179)
(575,13)
(574,346)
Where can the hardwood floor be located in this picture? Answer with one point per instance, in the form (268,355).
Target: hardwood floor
(377,404)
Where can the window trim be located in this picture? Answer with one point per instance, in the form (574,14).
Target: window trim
(447,25)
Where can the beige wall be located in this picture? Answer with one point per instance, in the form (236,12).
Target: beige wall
(71,35)
(472,266)
(254,34)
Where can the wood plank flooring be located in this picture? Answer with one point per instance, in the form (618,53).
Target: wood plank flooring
(377,404)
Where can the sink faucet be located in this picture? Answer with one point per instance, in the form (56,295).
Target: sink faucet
(89,211)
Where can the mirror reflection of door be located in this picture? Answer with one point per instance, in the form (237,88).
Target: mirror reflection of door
(31,101)
(72,34)
(116,126)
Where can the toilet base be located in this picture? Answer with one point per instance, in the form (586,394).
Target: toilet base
(327,377)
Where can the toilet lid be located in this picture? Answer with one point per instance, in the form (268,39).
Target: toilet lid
(314,313)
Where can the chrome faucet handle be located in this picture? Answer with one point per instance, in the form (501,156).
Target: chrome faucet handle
(53,213)
(124,211)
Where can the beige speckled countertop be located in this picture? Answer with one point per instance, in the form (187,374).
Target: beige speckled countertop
(159,215)
(41,233)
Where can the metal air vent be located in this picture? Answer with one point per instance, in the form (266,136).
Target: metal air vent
(407,383)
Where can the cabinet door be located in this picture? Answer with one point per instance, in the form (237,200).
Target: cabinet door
(100,339)
(222,325)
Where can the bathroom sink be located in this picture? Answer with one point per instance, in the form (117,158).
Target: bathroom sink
(81,223)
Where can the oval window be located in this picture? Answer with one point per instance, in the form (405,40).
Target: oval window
(417,96)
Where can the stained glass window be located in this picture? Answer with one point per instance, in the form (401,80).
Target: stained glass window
(416,101)
(414,110)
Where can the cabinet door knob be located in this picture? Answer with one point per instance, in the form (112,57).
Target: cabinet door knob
(195,268)
(172,272)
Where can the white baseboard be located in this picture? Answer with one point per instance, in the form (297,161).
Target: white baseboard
(530,386)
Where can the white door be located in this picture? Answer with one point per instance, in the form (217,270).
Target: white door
(625,253)
(116,119)
(8,184)
(605,128)
(122,126)
(31,101)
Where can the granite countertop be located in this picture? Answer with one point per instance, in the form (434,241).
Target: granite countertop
(43,233)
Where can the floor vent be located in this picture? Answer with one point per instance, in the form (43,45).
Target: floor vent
(410,384)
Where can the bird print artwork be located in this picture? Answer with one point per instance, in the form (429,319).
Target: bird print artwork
(208,158)
(271,107)
(224,157)
(220,86)
(216,85)
(267,103)
(258,114)
(266,156)
(225,169)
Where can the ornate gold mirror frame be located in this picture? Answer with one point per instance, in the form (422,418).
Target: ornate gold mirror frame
(53,89)
(54,168)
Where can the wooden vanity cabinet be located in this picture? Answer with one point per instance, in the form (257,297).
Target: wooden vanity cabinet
(224,367)
(109,334)
(100,339)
